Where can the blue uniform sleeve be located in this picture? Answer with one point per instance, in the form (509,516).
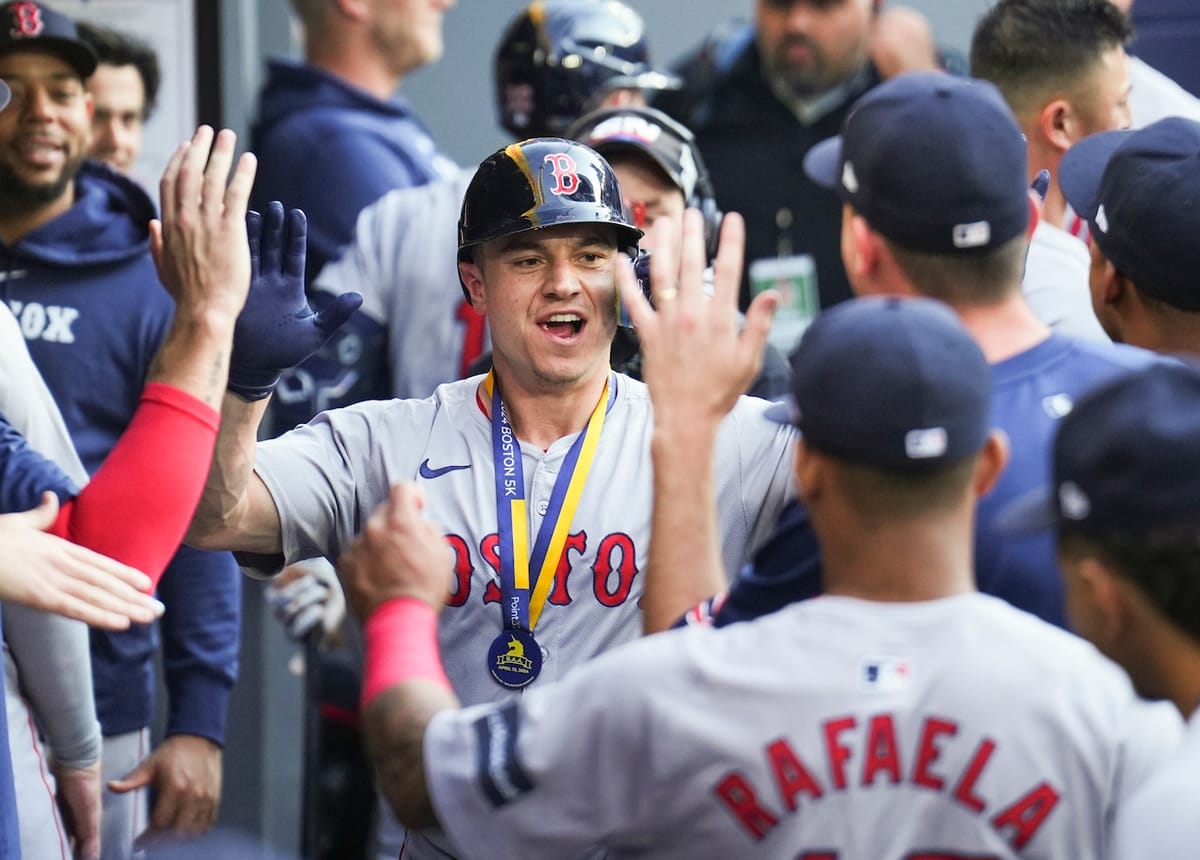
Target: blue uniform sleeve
(25,474)
(200,643)
(787,569)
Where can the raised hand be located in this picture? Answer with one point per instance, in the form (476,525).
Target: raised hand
(278,328)
(398,554)
(199,246)
(696,357)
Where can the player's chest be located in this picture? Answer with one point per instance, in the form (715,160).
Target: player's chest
(583,524)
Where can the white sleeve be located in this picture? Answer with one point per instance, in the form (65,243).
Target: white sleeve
(28,405)
(364,265)
(565,768)
(1153,734)
(327,476)
(51,653)
(765,452)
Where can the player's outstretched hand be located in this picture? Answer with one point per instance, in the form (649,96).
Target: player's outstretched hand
(199,246)
(278,328)
(696,357)
(398,554)
(48,573)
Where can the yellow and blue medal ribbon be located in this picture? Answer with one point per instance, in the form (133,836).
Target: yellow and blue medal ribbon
(515,658)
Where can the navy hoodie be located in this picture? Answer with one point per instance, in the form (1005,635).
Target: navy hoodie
(84,289)
(331,149)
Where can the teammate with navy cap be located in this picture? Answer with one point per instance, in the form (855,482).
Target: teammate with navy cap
(902,733)
(931,172)
(1125,506)
(522,466)
(1140,193)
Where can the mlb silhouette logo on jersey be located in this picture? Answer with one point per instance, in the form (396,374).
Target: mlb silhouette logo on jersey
(884,675)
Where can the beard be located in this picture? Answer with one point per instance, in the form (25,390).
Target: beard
(814,76)
(16,191)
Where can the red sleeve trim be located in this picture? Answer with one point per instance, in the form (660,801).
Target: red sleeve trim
(137,506)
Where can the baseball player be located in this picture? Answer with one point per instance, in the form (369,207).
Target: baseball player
(539,472)
(952,228)
(902,715)
(1124,506)
(1143,267)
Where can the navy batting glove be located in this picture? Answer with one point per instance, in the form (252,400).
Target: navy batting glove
(277,329)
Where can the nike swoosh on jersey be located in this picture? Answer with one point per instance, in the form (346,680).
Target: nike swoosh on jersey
(427,472)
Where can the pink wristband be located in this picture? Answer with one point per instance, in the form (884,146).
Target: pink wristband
(401,645)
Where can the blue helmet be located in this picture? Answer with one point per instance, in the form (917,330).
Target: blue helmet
(541,183)
(558,58)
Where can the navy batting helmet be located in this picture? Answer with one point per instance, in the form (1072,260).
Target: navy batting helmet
(540,183)
(559,57)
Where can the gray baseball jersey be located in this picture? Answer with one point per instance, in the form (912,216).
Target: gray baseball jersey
(834,728)
(328,476)
(1162,820)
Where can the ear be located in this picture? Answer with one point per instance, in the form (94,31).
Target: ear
(1103,596)
(1058,124)
(355,10)
(991,462)
(860,251)
(472,279)
(809,472)
(1110,290)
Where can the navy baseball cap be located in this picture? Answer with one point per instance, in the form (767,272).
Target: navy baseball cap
(897,384)
(1126,459)
(26,25)
(934,162)
(646,131)
(1140,193)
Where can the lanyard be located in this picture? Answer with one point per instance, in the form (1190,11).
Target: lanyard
(522,604)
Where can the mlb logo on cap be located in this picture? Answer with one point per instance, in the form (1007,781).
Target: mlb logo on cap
(25,24)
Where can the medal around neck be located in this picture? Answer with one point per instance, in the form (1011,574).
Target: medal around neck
(515,658)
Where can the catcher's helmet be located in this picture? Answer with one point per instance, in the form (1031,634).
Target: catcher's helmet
(557,58)
(540,183)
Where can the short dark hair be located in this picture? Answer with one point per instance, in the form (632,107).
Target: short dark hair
(1163,564)
(1029,47)
(965,279)
(115,48)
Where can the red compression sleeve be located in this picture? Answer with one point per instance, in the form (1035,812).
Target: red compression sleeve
(401,645)
(137,506)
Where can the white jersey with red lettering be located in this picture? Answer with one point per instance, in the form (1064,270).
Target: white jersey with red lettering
(327,477)
(834,729)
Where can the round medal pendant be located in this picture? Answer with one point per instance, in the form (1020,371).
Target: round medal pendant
(515,658)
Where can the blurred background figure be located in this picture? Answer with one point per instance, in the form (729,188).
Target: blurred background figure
(124,90)
(1061,66)
(333,134)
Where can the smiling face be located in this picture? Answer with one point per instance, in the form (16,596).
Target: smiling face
(45,130)
(119,119)
(550,299)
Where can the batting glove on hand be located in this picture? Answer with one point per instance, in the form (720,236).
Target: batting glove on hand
(310,599)
(278,329)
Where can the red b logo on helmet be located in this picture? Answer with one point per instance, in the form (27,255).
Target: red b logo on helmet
(26,19)
(566,180)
